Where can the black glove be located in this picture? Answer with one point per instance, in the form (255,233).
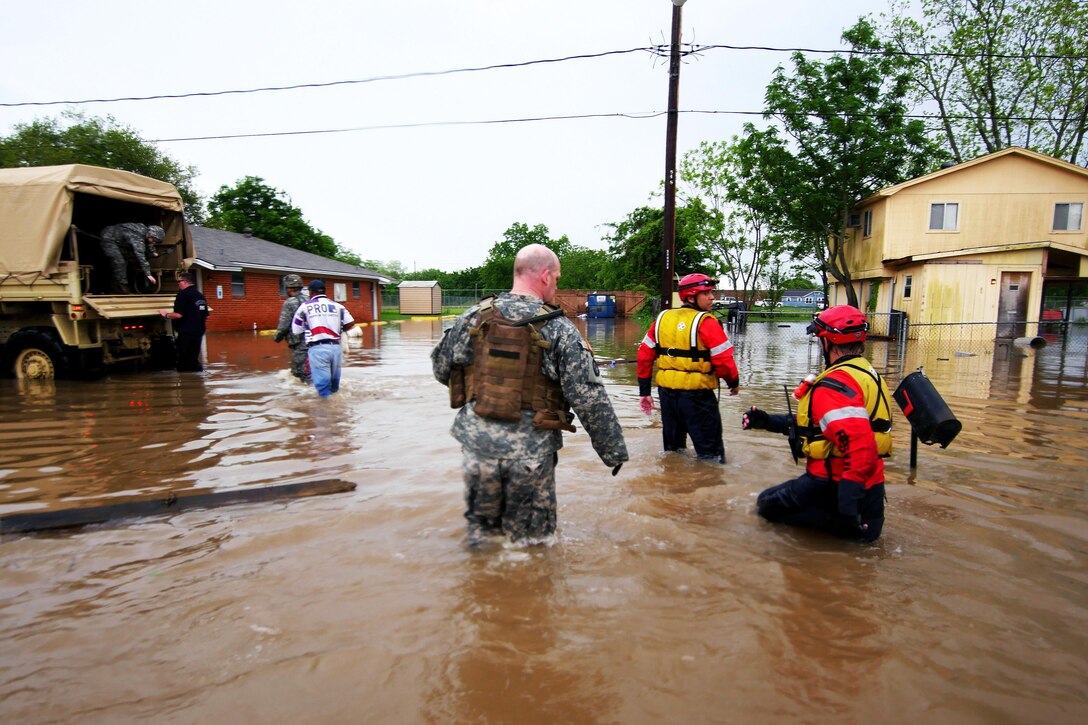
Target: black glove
(754,418)
(850,495)
(278,336)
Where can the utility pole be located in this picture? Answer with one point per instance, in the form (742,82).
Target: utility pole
(668,242)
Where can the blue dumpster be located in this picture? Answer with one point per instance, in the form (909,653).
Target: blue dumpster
(600,305)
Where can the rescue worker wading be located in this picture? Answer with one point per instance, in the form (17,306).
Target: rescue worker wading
(322,321)
(515,366)
(300,365)
(843,428)
(692,353)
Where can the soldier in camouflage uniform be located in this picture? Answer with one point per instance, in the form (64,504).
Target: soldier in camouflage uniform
(122,242)
(509,465)
(300,364)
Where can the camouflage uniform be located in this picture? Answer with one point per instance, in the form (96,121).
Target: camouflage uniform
(121,242)
(509,466)
(300,364)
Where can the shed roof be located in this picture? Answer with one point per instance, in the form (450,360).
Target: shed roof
(417,283)
(221,250)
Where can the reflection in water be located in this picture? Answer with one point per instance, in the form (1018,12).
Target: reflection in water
(666,599)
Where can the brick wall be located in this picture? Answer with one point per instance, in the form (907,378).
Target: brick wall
(262,300)
(573,301)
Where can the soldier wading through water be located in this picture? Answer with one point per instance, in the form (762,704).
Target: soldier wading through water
(300,365)
(515,367)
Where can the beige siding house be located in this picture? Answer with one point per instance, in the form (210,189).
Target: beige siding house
(997,239)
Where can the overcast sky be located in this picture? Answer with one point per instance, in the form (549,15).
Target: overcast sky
(431,195)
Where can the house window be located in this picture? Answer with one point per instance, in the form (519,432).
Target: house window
(1068,217)
(237,284)
(944,217)
(906,286)
(867,223)
(355,290)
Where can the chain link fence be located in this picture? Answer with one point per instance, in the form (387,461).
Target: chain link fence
(455,298)
(969,356)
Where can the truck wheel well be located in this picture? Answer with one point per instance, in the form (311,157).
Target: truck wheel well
(35,353)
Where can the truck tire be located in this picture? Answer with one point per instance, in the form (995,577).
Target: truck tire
(35,355)
(163,353)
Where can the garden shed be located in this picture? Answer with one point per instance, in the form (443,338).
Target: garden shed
(420,297)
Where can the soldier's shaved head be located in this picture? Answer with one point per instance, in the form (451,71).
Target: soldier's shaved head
(534,258)
(536,272)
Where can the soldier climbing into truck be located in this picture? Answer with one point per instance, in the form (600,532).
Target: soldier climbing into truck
(134,242)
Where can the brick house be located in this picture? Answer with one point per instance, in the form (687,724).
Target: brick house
(242,278)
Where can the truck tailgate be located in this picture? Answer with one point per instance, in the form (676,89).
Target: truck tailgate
(119,306)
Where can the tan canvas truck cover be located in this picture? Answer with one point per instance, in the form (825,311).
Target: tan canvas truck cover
(36,206)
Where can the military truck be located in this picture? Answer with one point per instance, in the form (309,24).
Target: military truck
(58,316)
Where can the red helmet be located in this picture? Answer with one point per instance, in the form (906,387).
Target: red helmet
(693,284)
(841,325)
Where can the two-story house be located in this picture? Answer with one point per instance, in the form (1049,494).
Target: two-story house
(987,240)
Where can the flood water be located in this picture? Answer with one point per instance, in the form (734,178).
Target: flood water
(664,599)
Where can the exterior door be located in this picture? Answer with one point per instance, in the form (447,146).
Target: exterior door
(1012,305)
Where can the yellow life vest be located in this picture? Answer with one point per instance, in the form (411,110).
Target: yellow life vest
(683,362)
(875,401)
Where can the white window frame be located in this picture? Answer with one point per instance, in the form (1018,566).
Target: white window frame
(955,226)
(238,284)
(908,283)
(1069,216)
(867,223)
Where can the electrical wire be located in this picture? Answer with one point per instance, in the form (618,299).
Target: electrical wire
(580,116)
(330,84)
(688,49)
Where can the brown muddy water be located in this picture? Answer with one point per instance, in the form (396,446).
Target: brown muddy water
(664,598)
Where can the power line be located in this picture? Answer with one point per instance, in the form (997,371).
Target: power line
(573,117)
(657,50)
(422,124)
(889,52)
(329,84)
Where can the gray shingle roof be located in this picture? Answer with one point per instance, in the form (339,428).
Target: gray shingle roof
(217,249)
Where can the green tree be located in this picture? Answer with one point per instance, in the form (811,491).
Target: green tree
(393,268)
(635,246)
(798,281)
(999,72)
(73,138)
(497,271)
(841,133)
(738,230)
(269,214)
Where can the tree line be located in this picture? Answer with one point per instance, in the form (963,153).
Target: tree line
(933,82)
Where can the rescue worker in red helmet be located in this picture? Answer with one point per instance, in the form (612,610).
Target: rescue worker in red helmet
(843,429)
(693,353)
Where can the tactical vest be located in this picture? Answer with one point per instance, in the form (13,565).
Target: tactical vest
(683,362)
(506,375)
(875,400)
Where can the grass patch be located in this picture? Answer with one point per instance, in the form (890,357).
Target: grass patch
(392,315)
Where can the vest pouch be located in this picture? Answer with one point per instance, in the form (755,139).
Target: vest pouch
(458,396)
(505,352)
(551,420)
